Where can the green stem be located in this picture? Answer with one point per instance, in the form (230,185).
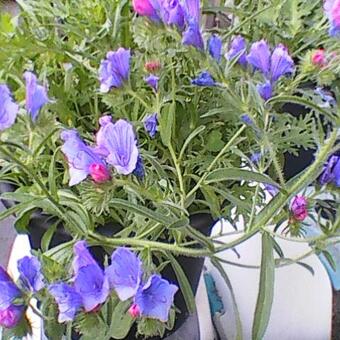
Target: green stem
(281,198)
(212,164)
(95,239)
(135,95)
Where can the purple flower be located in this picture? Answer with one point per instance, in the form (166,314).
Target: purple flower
(8,108)
(124,273)
(204,79)
(259,57)
(247,120)
(215,47)
(92,285)
(118,143)
(146,8)
(82,257)
(114,70)
(173,13)
(36,95)
(151,124)
(192,9)
(299,208)
(271,189)
(68,300)
(90,282)
(238,49)
(281,63)
(152,81)
(331,171)
(81,159)
(332,10)
(11,316)
(30,273)
(139,171)
(265,90)
(256,157)
(155,298)
(192,35)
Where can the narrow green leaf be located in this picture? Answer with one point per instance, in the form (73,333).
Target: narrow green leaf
(181,223)
(225,277)
(192,135)
(121,320)
(184,284)
(139,210)
(167,119)
(17,208)
(46,239)
(225,174)
(266,288)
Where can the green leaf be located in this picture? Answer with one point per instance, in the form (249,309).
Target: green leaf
(166,123)
(329,259)
(225,174)
(266,288)
(121,320)
(140,210)
(46,239)
(52,328)
(214,142)
(192,135)
(225,277)
(17,208)
(184,284)
(181,223)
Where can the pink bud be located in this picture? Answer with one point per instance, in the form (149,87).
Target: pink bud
(143,7)
(11,316)
(299,208)
(319,58)
(152,66)
(134,311)
(99,173)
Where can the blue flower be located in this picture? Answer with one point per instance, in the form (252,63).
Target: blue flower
(259,57)
(30,273)
(124,273)
(204,79)
(256,157)
(8,108)
(238,49)
(215,47)
(118,143)
(265,90)
(82,257)
(155,298)
(151,124)
(192,10)
(281,63)
(68,300)
(82,159)
(192,35)
(173,13)
(114,70)
(247,120)
(271,189)
(331,171)
(10,313)
(152,81)
(36,95)
(139,171)
(92,285)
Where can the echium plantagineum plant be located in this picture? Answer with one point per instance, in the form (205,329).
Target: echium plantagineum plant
(135,115)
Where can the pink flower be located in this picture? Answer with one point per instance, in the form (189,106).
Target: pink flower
(134,311)
(319,57)
(11,316)
(99,173)
(152,66)
(144,8)
(299,208)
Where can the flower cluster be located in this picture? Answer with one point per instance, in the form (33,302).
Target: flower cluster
(12,296)
(91,286)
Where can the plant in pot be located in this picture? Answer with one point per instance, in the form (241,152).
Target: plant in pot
(125,135)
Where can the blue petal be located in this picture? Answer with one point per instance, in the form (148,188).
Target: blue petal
(156,298)
(8,290)
(192,35)
(238,49)
(281,63)
(265,90)
(204,79)
(8,109)
(92,285)
(124,273)
(30,273)
(68,300)
(215,47)
(151,124)
(152,81)
(36,95)
(259,56)
(173,13)
(82,257)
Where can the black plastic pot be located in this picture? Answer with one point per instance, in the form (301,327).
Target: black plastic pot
(192,267)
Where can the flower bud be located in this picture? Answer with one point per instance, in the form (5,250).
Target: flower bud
(134,311)
(319,58)
(99,173)
(11,316)
(152,66)
(299,208)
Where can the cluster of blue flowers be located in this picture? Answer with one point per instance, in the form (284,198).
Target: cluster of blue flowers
(12,305)
(89,287)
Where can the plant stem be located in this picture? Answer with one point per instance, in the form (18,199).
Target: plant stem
(212,164)
(268,212)
(135,95)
